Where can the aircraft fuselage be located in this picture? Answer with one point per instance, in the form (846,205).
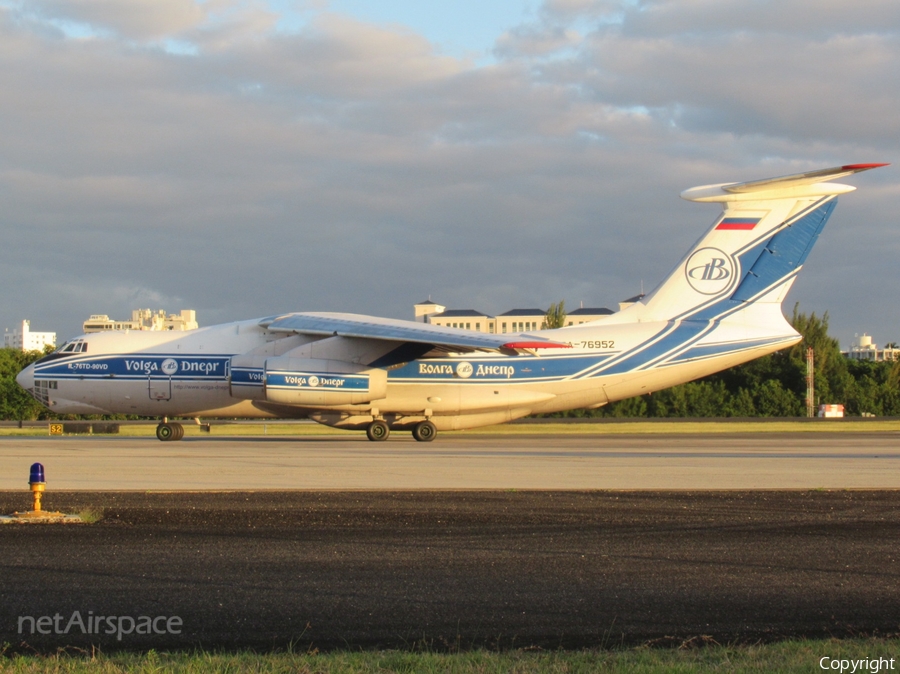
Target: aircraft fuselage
(169,374)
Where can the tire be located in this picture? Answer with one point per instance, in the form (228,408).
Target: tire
(179,431)
(424,431)
(378,431)
(165,432)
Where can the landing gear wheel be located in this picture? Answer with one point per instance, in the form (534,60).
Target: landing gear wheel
(378,431)
(166,432)
(169,431)
(424,431)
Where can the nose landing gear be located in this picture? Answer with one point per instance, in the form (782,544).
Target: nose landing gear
(169,431)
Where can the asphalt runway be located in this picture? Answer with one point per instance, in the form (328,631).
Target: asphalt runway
(811,460)
(451,570)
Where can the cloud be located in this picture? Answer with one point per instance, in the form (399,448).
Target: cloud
(347,166)
(802,19)
(813,70)
(131,19)
(535,41)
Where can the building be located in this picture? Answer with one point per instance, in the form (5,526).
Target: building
(521,320)
(143,319)
(624,304)
(515,320)
(424,310)
(586,315)
(466,319)
(864,349)
(26,340)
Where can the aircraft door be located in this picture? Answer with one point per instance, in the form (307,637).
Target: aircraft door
(159,387)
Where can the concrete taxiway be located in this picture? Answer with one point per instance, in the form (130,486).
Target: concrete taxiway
(832,460)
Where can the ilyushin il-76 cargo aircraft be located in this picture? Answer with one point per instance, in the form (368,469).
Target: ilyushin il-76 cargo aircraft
(721,306)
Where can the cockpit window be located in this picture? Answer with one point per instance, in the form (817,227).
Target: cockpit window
(75,346)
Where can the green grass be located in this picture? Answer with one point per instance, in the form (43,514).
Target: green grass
(711,426)
(789,656)
(631,427)
(90,515)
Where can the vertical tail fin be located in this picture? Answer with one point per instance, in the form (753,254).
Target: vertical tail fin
(754,250)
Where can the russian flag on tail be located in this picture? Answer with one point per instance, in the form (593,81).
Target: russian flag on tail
(742,224)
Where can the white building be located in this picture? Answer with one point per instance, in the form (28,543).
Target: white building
(427,309)
(465,319)
(26,340)
(521,320)
(143,319)
(586,315)
(624,304)
(515,320)
(863,348)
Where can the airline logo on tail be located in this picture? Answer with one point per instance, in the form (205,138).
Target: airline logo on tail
(709,271)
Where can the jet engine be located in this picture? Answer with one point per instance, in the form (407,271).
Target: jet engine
(307,382)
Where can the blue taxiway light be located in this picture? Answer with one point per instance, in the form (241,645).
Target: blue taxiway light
(37,474)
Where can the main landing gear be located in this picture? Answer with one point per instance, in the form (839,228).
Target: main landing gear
(424,431)
(169,431)
(379,431)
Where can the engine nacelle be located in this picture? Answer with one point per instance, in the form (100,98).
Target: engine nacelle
(247,379)
(315,382)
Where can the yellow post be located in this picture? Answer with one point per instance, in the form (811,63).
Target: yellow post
(37,489)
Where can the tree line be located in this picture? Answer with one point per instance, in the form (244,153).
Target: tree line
(15,403)
(775,385)
(772,386)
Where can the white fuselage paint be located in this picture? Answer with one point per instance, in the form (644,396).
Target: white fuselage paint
(188,374)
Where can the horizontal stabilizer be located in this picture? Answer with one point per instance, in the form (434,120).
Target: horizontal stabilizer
(808,184)
(797,179)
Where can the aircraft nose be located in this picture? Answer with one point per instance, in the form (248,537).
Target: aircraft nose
(25,378)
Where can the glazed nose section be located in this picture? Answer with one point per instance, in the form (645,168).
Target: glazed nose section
(25,378)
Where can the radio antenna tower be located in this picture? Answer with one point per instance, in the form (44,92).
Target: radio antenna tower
(810,383)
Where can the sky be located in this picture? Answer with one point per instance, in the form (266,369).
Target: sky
(245,158)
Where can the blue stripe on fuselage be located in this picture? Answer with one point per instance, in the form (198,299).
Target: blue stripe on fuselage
(247,376)
(506,368)
(142,366)
(713,350)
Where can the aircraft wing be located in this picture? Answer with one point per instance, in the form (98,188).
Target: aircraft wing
(393,330)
